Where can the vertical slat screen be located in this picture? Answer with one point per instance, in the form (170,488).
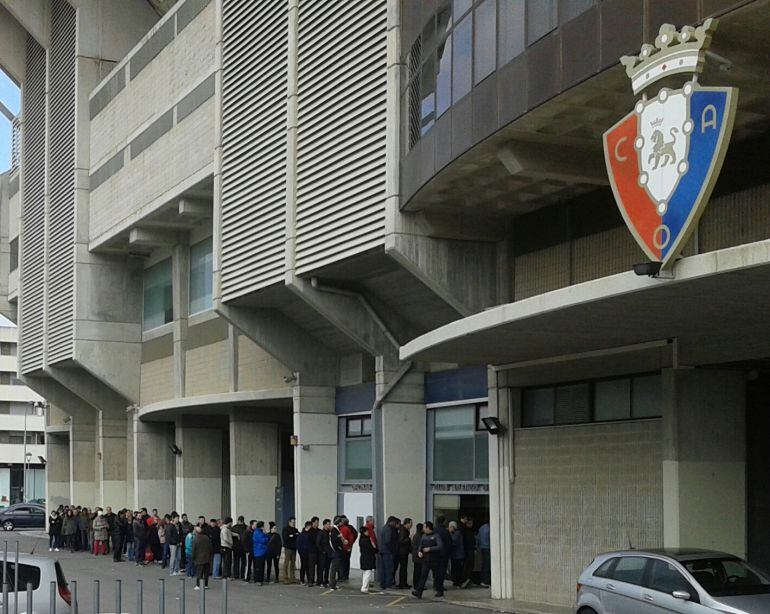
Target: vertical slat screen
(61,176)
(342,61)
(32,295)
(254,89)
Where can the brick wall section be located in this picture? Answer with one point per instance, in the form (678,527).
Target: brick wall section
(157,380)
(257,370)
(579,491)
(207,370)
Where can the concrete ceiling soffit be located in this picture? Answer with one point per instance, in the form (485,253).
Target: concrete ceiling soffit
(553,161)
(32,15)
(13,39)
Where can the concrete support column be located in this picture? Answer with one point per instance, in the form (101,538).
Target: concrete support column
(253,468)
(111,456)
(315,458)
(502,403)
(83,469)
(704,459)
(198,469)
(153,465)
(399,441)
(57,455)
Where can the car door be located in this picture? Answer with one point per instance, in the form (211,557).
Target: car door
(662,580)
(21,517)
(622,592)
(37,518)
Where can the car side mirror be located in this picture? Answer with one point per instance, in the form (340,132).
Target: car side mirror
(683,595)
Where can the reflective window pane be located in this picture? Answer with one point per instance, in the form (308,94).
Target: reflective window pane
(201,276)
(366,426)
(612,400)
(428,95)
(453,445)
(646,397)
(484,41)
(570,9)
(358,459)
(158,295)
(573,404)
(541,19)
(513,36)
(537,407)
(460,7)
(354,427)
(482,456)
(462,63)
(444,76)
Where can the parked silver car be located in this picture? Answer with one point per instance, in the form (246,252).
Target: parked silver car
(672,580)
(39,571)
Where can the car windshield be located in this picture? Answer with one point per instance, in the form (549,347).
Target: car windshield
(726,577)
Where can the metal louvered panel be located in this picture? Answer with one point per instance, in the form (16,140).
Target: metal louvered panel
(341,130)
(254,88)
(60,304)
(32,294)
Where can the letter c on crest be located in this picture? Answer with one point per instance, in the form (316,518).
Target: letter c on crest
(618,157)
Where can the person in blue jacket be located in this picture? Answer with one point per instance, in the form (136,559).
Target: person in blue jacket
(259,545)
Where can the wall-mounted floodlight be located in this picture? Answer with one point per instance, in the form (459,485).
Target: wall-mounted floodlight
(175,450)
(493,425)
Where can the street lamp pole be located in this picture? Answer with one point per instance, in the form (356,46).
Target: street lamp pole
(24,486)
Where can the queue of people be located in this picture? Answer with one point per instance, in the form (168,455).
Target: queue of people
(252,552)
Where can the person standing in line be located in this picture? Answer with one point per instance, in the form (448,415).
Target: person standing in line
(469,549)
(457,554)
(54,531)
(110,516)
(313,556)
(323,543)
(260,540)
(165,552)
(430,551)
(172,540)
(214,535)
(239,554)
(290,534)
(226,546)
(274,545)
(201,557)
(388,548)
(416,560)
(185,528)
(140,537)
(119,527)
(248,547)
(188,544)
(349,535)
(69,529)
(368,560)
(84,534)
(446,553)
(303,547)
(486,557)
(129,541)
(404,548)
(100,533)
(336,542)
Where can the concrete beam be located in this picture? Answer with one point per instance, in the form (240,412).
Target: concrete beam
(13,45)
(195,209)
(144,237)
(555,161)
(33,16)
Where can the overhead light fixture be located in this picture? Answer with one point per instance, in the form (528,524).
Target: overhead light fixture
(493,426)
(175,450)
(42,460)
(651,269)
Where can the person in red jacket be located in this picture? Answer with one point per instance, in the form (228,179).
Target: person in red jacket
(372,532)
(350,535)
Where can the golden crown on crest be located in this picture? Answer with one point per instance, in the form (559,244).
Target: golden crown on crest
(675,51)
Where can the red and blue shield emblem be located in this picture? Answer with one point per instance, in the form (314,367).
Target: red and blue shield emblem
(663,160)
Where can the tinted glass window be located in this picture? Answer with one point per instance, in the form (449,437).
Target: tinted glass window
(444,76)
(28,574)
(541,19)
(201,276)
(462,59)
(646,396)
(428,95)
(728,577)
(630,569)
(605,569)
(573,404)
(537,406)
(453,444)
(513,37)
(460,7)
(612,400)
(484,41)
(664,577)
(158,298)
(481,471)
(358,459)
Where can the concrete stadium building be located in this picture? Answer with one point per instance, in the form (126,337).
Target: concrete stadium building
(284,257)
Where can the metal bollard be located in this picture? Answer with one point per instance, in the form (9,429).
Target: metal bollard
(202,602)
(16,580)
(97,599)
(5,578)
(118,597)
(181,596)
(52,603)
(224,596)
(162,597)
(30,605)
(74,584)
(139,596)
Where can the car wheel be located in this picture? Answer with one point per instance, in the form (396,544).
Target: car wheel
(8,525)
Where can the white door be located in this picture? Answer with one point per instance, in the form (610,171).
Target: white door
(357,506)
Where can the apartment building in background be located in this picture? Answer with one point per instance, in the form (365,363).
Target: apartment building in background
(290,257)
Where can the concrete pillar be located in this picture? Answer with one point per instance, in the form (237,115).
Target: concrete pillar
(502,404)
(57,468)
(704,459)
(253,468)
(83,479)
(315,456)
(198,469)
(399,442)
(111,456)
(153,465)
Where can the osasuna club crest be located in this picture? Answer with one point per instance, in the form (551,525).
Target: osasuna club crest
(663,158)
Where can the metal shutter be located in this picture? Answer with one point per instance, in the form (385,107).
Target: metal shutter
(254,89)
(342,63)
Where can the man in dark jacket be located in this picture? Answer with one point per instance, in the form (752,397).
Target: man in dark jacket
(430,551)
(239,554)
(416,560)
(118,536)
(443,563)
(248,548)
(216,547)
(469,547)
(404,548)
(314,570)
(202,554)
(325,551)
(303,547)
(140,537)
(110,517)
(388,550)
(290,534)
(330,548)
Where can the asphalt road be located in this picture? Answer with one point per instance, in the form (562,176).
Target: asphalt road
(243,598)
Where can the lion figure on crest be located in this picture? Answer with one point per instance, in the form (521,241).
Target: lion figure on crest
(662,150)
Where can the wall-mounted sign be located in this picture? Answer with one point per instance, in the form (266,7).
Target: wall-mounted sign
(664,157)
